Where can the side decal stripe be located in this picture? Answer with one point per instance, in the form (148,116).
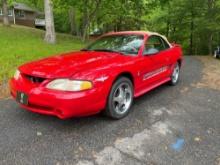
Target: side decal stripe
(155,73)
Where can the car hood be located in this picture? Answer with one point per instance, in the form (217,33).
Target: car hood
(65,65)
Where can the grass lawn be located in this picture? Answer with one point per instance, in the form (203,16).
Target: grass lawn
(20,44)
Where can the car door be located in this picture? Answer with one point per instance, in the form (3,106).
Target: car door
(156,61)
(162,59)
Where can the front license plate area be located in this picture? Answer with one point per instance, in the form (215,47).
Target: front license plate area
(22,98)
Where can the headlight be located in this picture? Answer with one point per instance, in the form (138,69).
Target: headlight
(69,85)
(17,74)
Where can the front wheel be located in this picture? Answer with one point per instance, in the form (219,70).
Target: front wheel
(175,74)
(120,99)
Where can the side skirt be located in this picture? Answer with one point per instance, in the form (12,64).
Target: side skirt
(151,87)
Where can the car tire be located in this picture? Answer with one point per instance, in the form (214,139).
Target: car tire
(120,99)
(175,75)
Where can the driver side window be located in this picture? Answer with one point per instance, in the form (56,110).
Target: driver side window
(154,43)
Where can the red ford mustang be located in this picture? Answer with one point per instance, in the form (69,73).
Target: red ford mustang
(105,76)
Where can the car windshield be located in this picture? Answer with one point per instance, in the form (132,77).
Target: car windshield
(125,44)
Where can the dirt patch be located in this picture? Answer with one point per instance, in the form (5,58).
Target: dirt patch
(184,90)
(211,73)
(4,90)
(218,161)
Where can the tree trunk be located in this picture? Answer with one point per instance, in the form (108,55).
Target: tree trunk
(210,32)
(72,20)
(168,28)
(50,36)
(85,20)
(191,51)
(210,43)
(5,13)
(89,16)
(138,14)
(191,37)
(85,32)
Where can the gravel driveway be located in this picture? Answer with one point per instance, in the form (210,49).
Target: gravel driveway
(169,125)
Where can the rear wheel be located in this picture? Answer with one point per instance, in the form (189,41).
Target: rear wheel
(175,75)
(120,99)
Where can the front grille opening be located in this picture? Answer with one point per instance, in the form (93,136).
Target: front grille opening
(34,79)
(40,107)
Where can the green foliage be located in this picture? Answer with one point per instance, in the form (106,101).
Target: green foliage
(192,23)
(34,3)
(20,44)
(195,24)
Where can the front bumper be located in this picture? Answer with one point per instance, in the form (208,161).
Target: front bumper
(58,103)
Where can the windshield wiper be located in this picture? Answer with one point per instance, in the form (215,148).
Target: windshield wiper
(84,49)
(107,50)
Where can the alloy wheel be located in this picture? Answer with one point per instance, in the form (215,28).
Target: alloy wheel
(122,98)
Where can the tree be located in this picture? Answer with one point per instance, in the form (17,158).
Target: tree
(50,36)
(90,10)
(192,23)
(72,21)
(5,13)
(212,18)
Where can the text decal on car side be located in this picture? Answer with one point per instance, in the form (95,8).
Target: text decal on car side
(155,73)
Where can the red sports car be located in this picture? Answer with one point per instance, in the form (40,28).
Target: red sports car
(105,76)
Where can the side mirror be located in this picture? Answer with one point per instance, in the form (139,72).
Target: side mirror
(151,51)
(173,44)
